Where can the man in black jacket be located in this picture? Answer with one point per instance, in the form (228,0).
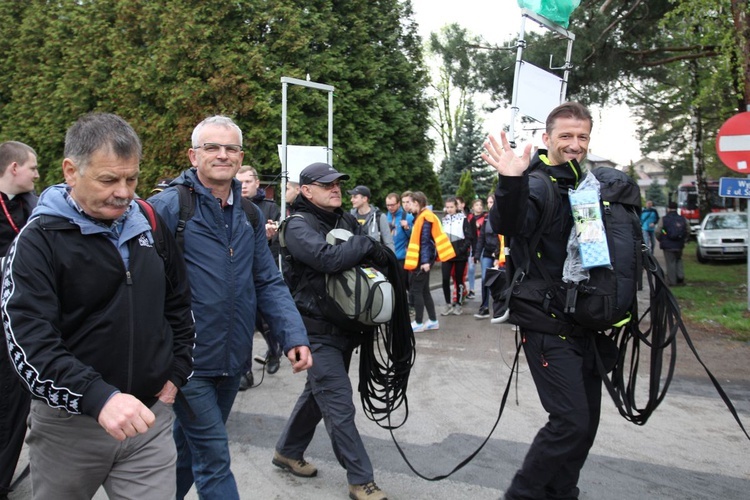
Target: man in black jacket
(99,326)
(251,190)
(672,231)
(561,355)
(328,391)
(18,171)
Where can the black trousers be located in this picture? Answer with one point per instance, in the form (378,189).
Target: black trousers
(570,390)
(328,396)
(420,293)
(454,269)
(14,409)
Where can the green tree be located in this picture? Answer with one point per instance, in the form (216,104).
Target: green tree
(656,194)
(456,81)
(164,66)
(464,155)
(665,58)
(466,187)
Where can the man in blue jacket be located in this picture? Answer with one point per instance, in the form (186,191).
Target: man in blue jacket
(400,223)
(232,275)
(649,219)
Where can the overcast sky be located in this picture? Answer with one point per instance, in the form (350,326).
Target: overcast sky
(613,136)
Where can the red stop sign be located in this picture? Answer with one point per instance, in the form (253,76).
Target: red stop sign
(733,143)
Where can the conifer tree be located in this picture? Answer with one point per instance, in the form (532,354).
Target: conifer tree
(466,188)
(164,66)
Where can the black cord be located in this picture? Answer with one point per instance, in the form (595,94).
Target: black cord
(659,338)
(387,356)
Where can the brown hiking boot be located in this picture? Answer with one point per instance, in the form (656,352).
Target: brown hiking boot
(298,467)
(367,491)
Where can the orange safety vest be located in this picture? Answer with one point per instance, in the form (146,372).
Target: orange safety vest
(501,253)
(442,243)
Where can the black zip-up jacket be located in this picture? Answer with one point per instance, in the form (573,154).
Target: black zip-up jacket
(80,325)
(313,257)
(488,243)
(518,208)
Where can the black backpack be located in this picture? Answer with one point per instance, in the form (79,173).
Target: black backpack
(608,298)
(187,210)
(674,228)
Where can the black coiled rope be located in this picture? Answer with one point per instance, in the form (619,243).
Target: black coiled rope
(659,338)
(386,358)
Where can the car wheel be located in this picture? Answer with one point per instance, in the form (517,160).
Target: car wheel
(699,255)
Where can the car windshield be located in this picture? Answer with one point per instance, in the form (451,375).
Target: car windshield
(727,221)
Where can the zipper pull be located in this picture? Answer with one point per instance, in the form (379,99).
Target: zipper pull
(128,278)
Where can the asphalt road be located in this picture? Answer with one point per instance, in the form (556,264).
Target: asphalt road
(691,448)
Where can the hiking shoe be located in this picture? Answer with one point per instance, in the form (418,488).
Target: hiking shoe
(273,364)
(432,325)
(417,327)
(482,313)
(471,295)
(447,309)
(367,491)
(246,381)
(457,310)
(299,467)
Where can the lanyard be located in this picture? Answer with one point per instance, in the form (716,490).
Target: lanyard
(7,215)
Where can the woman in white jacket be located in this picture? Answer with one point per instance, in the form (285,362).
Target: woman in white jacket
(458,230)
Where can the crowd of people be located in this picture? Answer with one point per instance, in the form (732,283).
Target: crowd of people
(132,321)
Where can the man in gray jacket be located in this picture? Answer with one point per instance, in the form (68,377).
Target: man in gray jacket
(373,221)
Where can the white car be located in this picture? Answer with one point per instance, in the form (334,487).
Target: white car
(722,236)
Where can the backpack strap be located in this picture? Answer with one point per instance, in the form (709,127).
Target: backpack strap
(251,212)
(150,213)
(186,195)
(529,252)
(294,282)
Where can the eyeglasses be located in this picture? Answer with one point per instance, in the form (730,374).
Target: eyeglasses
(391,204)
(213,148)
(328,185)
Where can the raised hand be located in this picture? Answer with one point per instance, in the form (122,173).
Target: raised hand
(501,156)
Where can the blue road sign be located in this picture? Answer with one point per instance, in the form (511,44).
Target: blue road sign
(734,187)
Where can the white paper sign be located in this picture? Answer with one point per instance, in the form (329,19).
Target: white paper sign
(298,157)
(539,92)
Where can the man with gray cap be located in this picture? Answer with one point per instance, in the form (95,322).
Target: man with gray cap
(374,222)
(328,391)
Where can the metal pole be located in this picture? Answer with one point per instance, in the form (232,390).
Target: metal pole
(330,127)
(521,43)
(284,173)
(566,73)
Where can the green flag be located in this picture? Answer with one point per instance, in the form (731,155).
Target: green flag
(557,11)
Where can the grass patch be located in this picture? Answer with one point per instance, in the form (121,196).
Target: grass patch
(715,295)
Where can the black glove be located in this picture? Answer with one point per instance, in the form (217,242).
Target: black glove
(378,255)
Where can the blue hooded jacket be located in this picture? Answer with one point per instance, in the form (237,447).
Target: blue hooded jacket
(229,280)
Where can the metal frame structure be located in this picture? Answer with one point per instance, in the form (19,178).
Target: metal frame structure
(520,45)
(285,82)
